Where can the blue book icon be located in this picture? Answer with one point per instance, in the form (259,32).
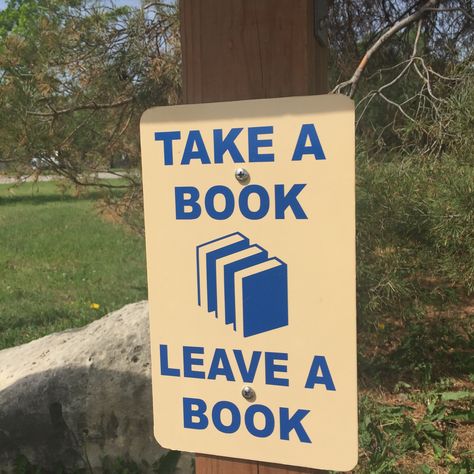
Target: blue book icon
(261,293)
(241,285)
(206,255)
(226,268)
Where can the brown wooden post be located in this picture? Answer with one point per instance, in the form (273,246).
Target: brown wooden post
(249,49)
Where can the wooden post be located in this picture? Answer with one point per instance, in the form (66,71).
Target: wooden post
(249,49)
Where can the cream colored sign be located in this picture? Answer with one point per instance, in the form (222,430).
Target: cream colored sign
(251,280)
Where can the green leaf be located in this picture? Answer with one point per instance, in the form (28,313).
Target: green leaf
(438,450)
(460,415)
(446,396)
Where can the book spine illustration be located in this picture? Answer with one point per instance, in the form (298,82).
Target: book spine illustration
(241,285)
(206,254)
(229,282)
(265,300)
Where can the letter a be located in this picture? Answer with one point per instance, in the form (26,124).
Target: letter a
(195,149)
(319,362)
(308,131)
(220,365)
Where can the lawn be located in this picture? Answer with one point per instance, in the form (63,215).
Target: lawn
(62,264)
(415,281)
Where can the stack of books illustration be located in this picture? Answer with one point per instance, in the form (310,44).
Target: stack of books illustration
(240,285)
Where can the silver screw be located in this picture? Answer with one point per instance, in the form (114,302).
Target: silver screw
(242,175)
(248,393)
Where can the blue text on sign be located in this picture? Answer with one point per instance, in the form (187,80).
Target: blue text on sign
(196,417)
(193,358)
(189,204)
(259,147)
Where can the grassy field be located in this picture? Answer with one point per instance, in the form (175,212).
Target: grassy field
(415,269)
(61,264)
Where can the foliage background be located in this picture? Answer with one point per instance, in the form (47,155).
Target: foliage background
(75,76)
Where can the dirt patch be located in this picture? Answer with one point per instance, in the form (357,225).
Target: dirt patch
(436,346)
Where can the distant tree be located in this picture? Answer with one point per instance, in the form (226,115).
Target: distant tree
(409,65)
(400,61)
(75,77)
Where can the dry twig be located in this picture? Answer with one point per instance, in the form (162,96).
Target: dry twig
(399,25)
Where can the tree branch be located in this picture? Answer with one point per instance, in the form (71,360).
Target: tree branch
(401,24)
(92,106)
(159,5)
(453,9)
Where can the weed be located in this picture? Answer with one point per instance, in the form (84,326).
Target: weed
(425,422)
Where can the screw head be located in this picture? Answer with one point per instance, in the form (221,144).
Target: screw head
(242,175)
(248,393)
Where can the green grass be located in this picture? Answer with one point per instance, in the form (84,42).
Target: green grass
(58,256)
(415,282)
(415,300)
(414,431)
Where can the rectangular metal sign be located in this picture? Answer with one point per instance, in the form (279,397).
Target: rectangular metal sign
(250,235)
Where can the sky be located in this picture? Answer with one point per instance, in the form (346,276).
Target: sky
(133,3)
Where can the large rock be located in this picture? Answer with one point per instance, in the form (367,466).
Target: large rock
(76,397)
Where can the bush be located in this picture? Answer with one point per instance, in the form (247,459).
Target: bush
(415,234)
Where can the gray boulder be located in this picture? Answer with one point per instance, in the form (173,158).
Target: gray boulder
(75,398)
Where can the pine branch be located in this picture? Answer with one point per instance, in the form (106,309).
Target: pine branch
(399,25)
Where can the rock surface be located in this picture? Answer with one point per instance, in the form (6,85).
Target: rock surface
(76,397)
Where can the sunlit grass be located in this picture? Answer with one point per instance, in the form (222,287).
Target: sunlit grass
(61,264)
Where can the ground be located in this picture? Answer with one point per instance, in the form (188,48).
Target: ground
(64,264)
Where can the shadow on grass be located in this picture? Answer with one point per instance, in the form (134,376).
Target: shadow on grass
(423,352)
(42,318)
(40,199)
